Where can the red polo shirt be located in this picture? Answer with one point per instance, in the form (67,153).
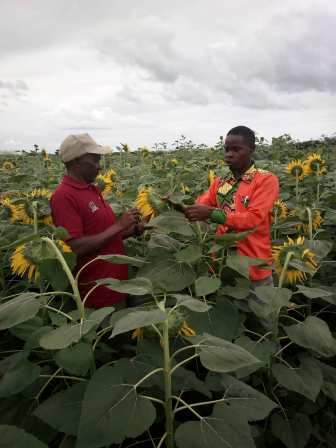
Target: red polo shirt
(249,207)
(82,211)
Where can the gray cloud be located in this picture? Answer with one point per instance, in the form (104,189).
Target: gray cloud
(12,90)
(155,68)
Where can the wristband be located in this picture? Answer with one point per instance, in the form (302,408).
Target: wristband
(218,216)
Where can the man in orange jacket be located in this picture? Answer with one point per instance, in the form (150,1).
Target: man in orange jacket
(242,200)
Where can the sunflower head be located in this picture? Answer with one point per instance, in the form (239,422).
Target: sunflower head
(297,169)
(306,259)
(211,176)
(41,197)
(173,162)
(45,155)
(125,147)
(280,210)
(25,258)
(104,183)
(144,151)
(301,213)
(8,165)
(315,164)
(110,174)
(148,202)
(8,210)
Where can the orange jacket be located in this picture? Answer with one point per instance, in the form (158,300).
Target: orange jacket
(250,206)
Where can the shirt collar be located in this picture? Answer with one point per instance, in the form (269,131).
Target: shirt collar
(72,182)
(246,177)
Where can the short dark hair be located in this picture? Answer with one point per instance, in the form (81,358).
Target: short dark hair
(245,132)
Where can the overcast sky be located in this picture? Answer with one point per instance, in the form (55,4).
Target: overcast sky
(145,71)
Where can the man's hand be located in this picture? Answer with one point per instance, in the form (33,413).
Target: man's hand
(129,219)
(198,212)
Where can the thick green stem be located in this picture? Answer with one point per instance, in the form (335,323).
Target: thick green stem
(297,186)
(68,273)
(35,205)
(284,269)
(275,223)
(318,193)
(310,223)
(168,388)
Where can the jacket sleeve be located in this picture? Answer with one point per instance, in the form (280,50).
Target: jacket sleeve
(261,203)
(209,197)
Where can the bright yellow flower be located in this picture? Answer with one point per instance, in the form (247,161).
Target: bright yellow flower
(41,196)
(104,183)
(144,151)
(173,162)
(300,253)
(8,210)
(297,168)
(8,165)
(23,262)
(45,155)
(148,202)
(317,222)
(110,174)
(211,176)
(125,147)
(280,210)
(315,164)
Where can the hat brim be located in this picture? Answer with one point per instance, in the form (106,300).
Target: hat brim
(100,150)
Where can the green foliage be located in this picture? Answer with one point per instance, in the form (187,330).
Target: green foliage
(203,359)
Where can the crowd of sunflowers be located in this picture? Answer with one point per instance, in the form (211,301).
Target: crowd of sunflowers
(20,207)
(303,260)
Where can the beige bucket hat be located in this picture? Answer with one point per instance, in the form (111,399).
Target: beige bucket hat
(75,146)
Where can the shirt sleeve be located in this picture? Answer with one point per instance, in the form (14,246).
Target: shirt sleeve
(66,213)
(260,205)
(209,197)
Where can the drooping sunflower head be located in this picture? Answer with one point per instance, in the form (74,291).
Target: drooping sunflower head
(211,176)
(144,151)
(296,168)
(125,147)
(110,174)
(306,260)
(8,210)
(44,154)
(317,221)
(22,263)
(173,162)
(315,164)
(280,210)
(148,202)
(104,182)
(8,165)
(25,258)
(39,196)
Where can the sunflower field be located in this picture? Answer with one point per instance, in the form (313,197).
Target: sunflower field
(197,359)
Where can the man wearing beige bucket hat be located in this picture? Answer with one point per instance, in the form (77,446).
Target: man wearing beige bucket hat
(78,206)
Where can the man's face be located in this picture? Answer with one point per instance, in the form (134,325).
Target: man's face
(237,152)
(88,167)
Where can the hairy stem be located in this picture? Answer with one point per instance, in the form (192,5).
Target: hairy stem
(68,273)
(168,387)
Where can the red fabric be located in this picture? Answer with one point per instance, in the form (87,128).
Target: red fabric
(259,195)
(82,211)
